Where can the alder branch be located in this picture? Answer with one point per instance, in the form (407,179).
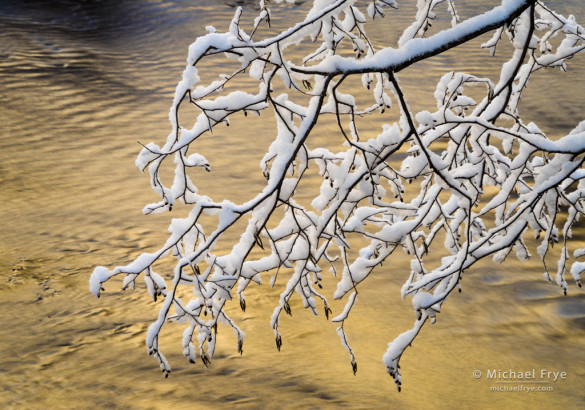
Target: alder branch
(419,181)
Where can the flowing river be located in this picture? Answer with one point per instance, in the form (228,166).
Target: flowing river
(80,83)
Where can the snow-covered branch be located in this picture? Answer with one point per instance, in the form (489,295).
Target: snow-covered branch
(466,181)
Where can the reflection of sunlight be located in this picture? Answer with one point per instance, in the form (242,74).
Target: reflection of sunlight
(81,83)
(242,3)
(254,4)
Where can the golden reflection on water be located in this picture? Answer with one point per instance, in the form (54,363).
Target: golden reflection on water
(77,90)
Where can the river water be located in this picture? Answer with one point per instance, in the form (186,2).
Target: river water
(80,83)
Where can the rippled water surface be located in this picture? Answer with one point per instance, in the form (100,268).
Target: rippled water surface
(80,83)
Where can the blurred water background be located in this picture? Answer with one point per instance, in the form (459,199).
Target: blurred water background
(80,83)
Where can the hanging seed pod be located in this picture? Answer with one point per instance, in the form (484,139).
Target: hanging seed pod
(327,312)
(287,309)
(278,341)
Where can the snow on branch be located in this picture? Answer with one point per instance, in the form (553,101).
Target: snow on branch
(423,184)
